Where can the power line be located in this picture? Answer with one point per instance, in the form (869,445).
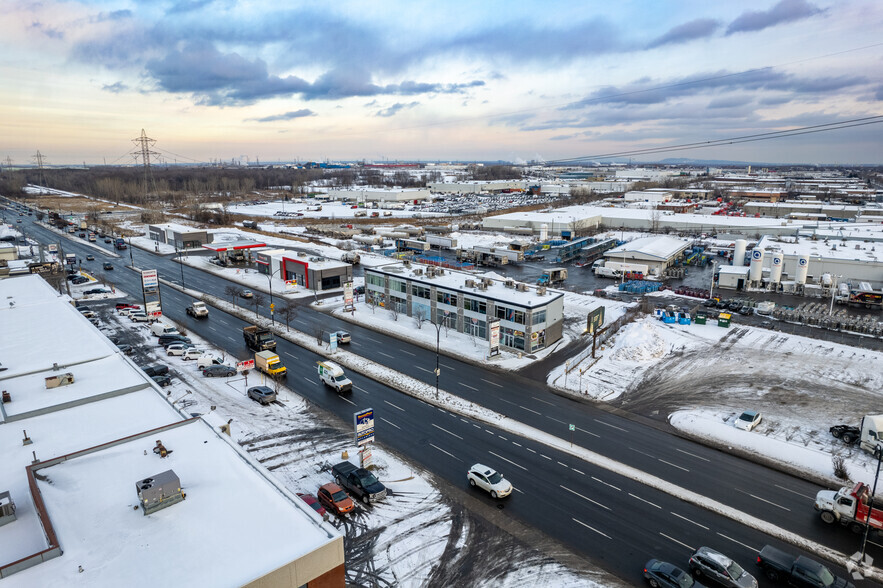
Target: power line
(856,122)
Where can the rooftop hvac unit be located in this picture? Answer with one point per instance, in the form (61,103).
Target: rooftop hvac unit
(406,263)
(418,271)
(487,282)
(470,283)
(7,508)
(510,283)
(541,291)
(159,492)
(521,287)
(59,380)
(441,271)
(482,286)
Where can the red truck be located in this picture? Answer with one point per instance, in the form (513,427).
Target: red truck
(850,507)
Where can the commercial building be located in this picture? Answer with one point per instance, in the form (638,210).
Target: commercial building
(853,260)
(531,317)
(105,481)
(180,236)
(240,250)
(312,273)
(489,187)
(380,194)
(657,253)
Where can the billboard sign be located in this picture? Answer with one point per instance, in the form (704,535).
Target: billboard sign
(348,295)
(494,326)
(364,425)
(248,364)
(595,320)
(332,340)
(52,248)
(152,308)
(149,280)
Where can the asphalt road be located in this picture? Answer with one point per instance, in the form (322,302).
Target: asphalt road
(615,522)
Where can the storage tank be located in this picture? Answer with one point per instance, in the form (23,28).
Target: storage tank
(802,269)
(739,252)
(755,271)
(544,232)
(776,269)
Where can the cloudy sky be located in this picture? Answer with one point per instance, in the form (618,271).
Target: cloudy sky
(378,80)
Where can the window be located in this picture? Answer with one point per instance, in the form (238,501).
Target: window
(448,298)
(475,327)
(420,291)
(538,317)
(510,314)
(375,280)
(420,311)
(400,305)
(445,317)
(397,285)
(474,305)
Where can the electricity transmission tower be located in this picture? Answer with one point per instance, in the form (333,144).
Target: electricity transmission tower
(143,152)
(39,161)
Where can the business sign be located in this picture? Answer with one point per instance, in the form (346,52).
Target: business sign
(332,340)
(348,295)
(364,425)
(52,248)
(494,326)
(248,364)
(152,308)
(595,320)
(290,285)
(149,280)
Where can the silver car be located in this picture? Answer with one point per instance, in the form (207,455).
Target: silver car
(720,568)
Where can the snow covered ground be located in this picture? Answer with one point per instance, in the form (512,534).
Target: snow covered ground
(332,210)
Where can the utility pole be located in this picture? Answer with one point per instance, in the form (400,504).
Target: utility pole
(39,160)
(143,152)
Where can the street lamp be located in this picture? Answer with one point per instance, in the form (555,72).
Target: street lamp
(438,326)
(270,283)
(180,255)
(713,267)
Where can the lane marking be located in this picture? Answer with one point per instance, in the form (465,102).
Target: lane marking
(385,355)
(516,444)
(795,492)
(448,432)
(755,549)
(445,452)
(606,483)
(689,520)
(489,432)
(543,401)
(517,490)
(423,369)
(674,465)
(447,367)
(464,420)
(373,340)
(408,353)
(211,328)
(345,399)
(501,437)
(589,432)
(643,453)
(647,501)
(605,507)
(556,420)
(563,464)
(390,423)
(693,455)
(676,541)
(530,410)
(308,380)
(468,386)
(394,406)
(529,449)
(611,426)
(508,460)
(491,383)
(546,456)
(591,528)
(763,500)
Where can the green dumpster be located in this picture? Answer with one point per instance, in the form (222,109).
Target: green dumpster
(723,319)
(701,318)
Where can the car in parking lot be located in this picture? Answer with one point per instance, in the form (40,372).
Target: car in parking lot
(720,568)
(163,380)
(262,394)
(107,265)
(663,574)
(157,369)
(314,503)
(77,280)
(748,420)
(86,312)
(166,340)
(96,291)
(335,499)
(219,371)
(127,349)
(90,257)
(139,317)
(127,310)
(177,348)
(489,480)
(247,294)
(191,353)
(122,305)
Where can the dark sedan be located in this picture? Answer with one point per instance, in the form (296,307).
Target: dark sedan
(163,380)
(660,573)
(219,371)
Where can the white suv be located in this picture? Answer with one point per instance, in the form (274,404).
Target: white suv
(489,480)
(192,353)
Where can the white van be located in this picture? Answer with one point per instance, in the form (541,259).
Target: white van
(332,375)
(206,360)
(159,328)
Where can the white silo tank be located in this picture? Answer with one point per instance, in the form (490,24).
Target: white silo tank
(544,232)
(802,269)
(739,252)
(776,269)
(755,271)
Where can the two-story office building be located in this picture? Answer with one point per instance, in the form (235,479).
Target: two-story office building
(531,317)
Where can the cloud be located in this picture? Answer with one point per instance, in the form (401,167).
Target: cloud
(395,109)
(695,29)
(113,16)
(115,88)
(879,93)
(784,11)
(729,102)
(50,32)
(291,115)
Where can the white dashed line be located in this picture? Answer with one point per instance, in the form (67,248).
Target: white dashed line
(390,423)
(590,528)
(611,426)
(647,501)
(676,541)
(445,452)
(508,460)
(689,521)
(394,406)
(739,542)
(491,383)
(448,432)
(468,386)
(693,455)
(585,498)
(530,410)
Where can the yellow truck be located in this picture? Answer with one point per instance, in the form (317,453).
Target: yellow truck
(269,363)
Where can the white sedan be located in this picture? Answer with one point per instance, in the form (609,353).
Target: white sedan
(748,420)
(489,480)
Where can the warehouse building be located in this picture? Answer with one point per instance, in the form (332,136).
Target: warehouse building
(657,253)
(531,317)
(106,481)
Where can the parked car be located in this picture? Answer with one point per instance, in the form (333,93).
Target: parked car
(107,265)
(314,503)
(139,317)
(489,480)
(157,369)
(748,420)
(87,312)
(335,499)
(660,573)
(121,305)
(219,371)
(127,349)
(247,294)
(166,340)
(720,568)
(163,380)
(77,280)
(191,353)
(95,291)
(177,348)
(262,394)
(129,309)
(90,257)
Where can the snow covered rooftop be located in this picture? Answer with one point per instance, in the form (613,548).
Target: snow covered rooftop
(456,282)
(833,249)
(736,270)
(177,228)
(662,247)
(232,245)
(72,454)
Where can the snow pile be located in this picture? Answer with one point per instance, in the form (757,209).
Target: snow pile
(639,342)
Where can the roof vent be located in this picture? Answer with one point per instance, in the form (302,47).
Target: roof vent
(7,508)
(59,380)
(159,492)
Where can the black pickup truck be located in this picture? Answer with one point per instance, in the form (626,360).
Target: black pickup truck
(359,481)
(800,571)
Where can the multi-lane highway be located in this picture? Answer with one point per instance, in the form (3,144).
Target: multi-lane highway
(612,520)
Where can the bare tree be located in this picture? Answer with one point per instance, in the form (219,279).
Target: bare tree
(419,318)
(393,311)
(288,312)
(231,291)
(257,300)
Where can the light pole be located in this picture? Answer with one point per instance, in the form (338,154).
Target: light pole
(180,255)
(711,290)
(438,326)
(270,283)
(131,257)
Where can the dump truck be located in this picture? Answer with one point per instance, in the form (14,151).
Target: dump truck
(269,363)
(849,506)
(198,309)
(359,482)
(258,338)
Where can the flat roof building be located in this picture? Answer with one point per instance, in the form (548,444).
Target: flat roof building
(658,253)
(180,236)
(531,317)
